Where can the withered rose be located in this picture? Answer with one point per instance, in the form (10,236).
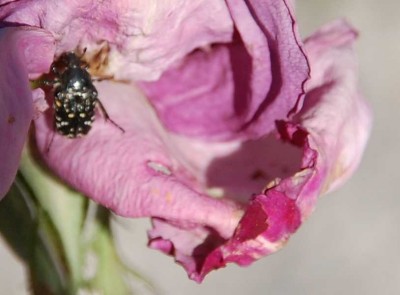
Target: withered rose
(233,126)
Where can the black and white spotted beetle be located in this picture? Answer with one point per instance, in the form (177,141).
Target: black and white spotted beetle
(75,97)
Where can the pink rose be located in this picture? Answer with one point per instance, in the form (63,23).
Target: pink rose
(227,144)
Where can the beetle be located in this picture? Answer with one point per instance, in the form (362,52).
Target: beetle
(75,97)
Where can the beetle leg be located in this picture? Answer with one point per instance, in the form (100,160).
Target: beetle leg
(107,117)
(51,140)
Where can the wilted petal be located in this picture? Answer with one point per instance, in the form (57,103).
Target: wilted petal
(148,172)
(143,38)
(241,86)
(23,53)
(270,217)
(331,131)
(209,200)
(135,173)
(332,128)
(335,112)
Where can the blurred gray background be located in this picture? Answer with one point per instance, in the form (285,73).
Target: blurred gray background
(351,244)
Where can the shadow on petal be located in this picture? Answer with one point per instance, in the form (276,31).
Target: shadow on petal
(250,168)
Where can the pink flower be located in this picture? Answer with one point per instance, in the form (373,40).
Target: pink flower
(226,147)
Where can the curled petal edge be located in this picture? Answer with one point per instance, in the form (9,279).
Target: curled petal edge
(269,220)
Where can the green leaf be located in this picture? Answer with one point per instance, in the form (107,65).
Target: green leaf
(66,209)
(55,230)
(112,276)
(20,226)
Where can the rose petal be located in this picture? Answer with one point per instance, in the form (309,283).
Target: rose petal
(336,123)
(141,39)
(270,218)
(335,112)
(134,173)
(146,171)
(243,85)
(20,56)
